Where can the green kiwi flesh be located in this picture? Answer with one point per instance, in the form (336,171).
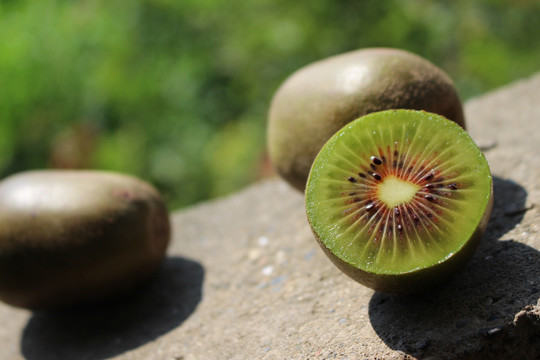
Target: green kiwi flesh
(322,97)
(71,237)
(399,199)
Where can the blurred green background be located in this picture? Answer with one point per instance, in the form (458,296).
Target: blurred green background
(177,91)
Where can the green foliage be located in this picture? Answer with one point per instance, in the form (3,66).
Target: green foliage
(176,92)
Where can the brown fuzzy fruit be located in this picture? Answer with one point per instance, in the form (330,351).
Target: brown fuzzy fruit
(319,99)
(68,237)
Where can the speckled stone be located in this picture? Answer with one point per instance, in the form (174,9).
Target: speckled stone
(245,279)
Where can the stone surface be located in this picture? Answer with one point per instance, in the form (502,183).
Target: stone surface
(246,280)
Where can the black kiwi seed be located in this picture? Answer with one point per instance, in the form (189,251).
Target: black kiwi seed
(375,160)
(362,175)
(370,207)
(429,197)
(438,193)
(428,176)
(377,176)
(453,186)
(351,179)
(373,166)
(396,211)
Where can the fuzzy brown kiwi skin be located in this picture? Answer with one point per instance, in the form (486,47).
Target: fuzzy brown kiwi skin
(319,99)
(423,280)
(72,237)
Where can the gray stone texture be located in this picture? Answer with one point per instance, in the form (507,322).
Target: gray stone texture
(245,279)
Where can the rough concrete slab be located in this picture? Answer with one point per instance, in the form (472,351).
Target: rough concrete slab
(246,280)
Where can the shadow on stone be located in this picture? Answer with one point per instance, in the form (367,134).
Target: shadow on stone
(508,208)
(107,329)
(477,304)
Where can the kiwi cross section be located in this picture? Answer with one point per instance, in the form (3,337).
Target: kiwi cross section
(397,191)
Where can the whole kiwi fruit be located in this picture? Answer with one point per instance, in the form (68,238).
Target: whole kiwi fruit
(75,236)
(399,199)
(320,98)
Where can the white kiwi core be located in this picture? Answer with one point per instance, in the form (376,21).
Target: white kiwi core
(393,191)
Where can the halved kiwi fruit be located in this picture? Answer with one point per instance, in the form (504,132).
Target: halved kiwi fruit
(399,199)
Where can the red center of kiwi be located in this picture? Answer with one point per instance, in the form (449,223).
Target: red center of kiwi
(422,212)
